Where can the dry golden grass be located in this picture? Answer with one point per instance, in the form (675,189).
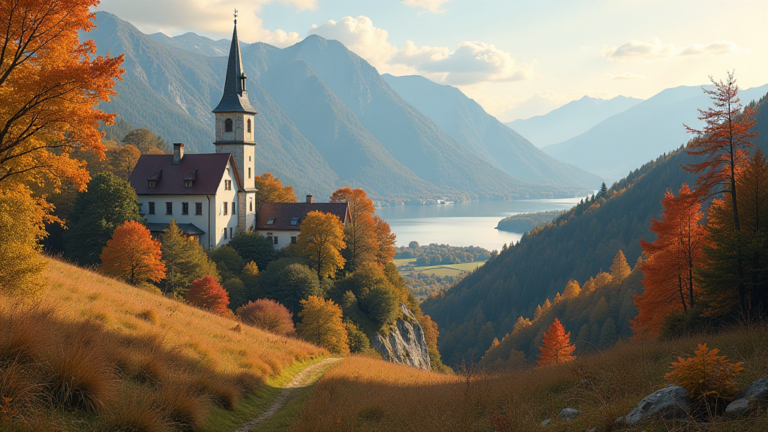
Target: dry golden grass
(115,357)
(363,394)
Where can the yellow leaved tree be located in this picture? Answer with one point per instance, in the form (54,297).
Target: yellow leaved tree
(321,323)
(321,241)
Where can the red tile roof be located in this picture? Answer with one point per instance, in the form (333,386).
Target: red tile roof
(284,213)
(206,169)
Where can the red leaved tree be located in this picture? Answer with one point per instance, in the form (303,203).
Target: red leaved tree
(267,315)
(668,272)
(207,294)
(556,348)
(724,143)
(132,255)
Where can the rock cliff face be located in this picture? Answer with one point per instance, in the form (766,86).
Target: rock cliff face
(405,344)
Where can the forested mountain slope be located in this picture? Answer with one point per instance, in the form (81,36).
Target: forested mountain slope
(466,121)
(625,141)
(326,117)
(570,120)
(577,245)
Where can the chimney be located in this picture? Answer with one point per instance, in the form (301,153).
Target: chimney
(310,199)
(178,153)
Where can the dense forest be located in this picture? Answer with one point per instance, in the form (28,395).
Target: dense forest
(577,245)
(524,222)
(435,254)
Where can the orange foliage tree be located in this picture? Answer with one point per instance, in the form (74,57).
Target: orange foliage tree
(368,237)
(50,90)
(321,241)
(207,294)
(132,255)
(270,189)
(706,376)
(556,348)
(723,143)
(669,280)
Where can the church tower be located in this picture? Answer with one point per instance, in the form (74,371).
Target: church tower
(234,117)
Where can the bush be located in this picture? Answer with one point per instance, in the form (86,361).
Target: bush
(207,294)
(268,315)
(238,293)
(382,306)
(253,247)
(228,262)
(358,341)
(289,282)
(708,377)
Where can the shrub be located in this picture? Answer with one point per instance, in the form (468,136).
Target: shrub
(136,413)
(81,378)
(207,294)
(707,376)
(268,315)
(322,324)
(358,341)
(238,294)
(148,315)
(182,406)
(251,246)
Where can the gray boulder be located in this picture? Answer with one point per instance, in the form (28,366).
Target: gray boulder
(405,344)
(751,397)
(568,414)
(670,403)
(545,422)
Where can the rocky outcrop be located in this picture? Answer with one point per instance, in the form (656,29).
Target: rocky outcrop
(405,344)
(750,398)
(670,403)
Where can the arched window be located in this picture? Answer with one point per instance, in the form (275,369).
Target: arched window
(228,125)
(249,125)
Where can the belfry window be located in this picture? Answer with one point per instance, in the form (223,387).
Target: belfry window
(228,125)
(249,125)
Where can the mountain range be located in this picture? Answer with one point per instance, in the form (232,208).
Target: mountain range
(326,119)
(626,140)
(571,119)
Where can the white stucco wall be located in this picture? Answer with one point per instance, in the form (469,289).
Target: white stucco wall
(283,237)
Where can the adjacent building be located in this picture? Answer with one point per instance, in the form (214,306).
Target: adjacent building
(211,196)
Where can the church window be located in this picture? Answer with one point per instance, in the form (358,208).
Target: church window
(198,209)
(185,208)
(249,173)
(151,207)
(228,125)
(226,208)
(249,125)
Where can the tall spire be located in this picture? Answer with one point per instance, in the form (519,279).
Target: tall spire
(235,97)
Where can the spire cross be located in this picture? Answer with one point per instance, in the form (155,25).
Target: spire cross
(235,16)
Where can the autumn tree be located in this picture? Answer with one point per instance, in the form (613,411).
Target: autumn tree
(252,246)
(368,237)
(270,189)
(724,143)
(620,269)
(321,240)
(572,289)
(185,260)
(322,324)
(556,348)
(108,203)
(289,282)
(119,160)
(267,315)
(669,272)
(146,141)
(50,90)
(21,229)
(132,255)
(207,294)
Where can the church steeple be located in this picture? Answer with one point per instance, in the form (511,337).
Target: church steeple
(235,98)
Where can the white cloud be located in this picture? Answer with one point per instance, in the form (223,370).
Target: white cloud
(360,36)
(635,50)
(626,76)
(467,64)
(210,17)
(434,6)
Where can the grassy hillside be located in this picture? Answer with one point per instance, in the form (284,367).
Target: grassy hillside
(96,354)
(363,394)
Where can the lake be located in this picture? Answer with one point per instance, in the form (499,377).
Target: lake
(468,224)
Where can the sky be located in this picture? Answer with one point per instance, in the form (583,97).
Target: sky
(516,58)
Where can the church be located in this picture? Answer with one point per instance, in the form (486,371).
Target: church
(211,196)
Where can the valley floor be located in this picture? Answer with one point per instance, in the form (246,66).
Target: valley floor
(364,394)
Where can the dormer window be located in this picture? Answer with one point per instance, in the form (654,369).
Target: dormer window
(228,125)
(154,178)
(270,221)
(188,183)
(189,180)
(152,183)
(294,221)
